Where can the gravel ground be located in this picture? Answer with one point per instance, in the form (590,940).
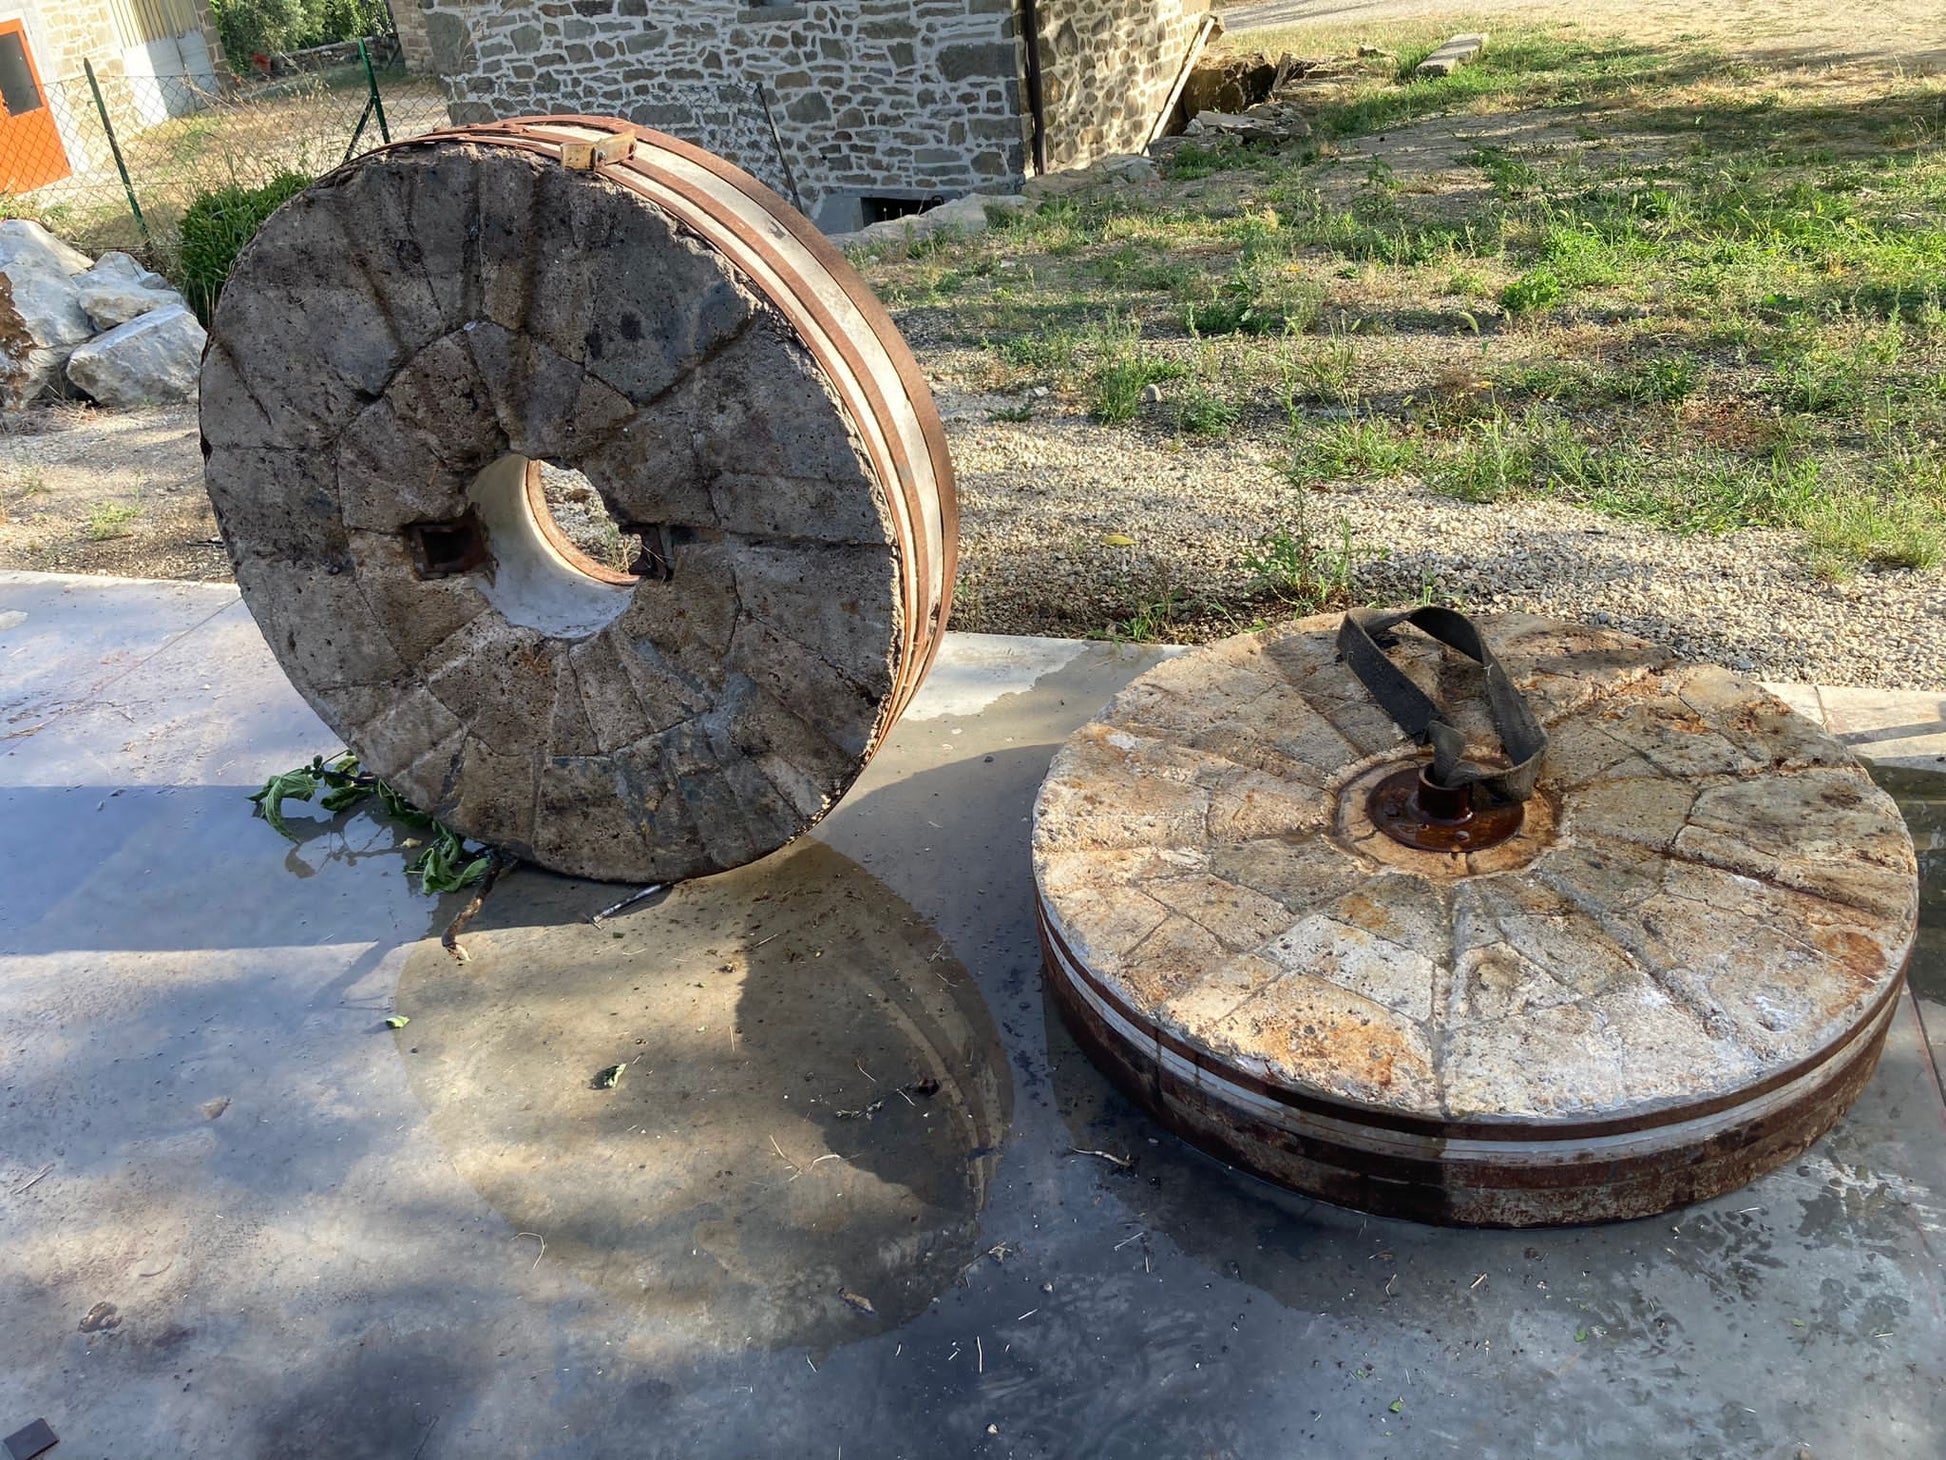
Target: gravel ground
(1038,499)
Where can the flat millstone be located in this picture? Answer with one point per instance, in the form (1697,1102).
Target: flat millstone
(1709,897)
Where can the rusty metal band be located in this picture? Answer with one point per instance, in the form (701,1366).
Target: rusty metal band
(833,347)
(1064,967)
(931,427)
(926,617)
(1451,1187)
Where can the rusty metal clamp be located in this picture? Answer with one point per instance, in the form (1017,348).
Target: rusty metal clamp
(1455,804)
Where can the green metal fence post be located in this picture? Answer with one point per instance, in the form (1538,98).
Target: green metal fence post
(378,102)
(116,148)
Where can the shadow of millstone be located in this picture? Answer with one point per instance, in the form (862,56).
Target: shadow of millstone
(813,1097)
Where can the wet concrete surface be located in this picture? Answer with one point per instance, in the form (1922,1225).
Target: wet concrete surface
(322,1237)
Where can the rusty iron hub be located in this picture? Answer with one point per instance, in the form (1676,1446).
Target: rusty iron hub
(1415,811)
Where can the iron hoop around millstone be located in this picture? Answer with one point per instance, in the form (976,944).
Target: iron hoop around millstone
(399,347)
(1676,975)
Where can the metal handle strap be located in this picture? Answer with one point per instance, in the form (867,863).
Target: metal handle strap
(1363,637)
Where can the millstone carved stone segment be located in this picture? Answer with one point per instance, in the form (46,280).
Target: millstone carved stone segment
(1676,976)
(404,342)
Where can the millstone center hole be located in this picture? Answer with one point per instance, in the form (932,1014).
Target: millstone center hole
(583,519)
(592,537)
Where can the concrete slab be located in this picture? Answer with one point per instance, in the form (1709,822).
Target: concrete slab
(1889,727)
(321,1237)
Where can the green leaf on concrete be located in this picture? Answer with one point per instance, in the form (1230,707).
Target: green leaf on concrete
(298,785)
(444,863)
(609,1078)
(397,1021)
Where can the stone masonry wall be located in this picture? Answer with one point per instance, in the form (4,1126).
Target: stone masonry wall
(1107,67)
(64,33)
(872,95)
(415,48)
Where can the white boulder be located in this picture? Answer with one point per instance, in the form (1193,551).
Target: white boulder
(967,215)
(118,289)
(41,318)
(154,358)
(24,239)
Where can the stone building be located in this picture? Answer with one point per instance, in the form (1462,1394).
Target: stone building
(156,58)
(879,107)
(168,38)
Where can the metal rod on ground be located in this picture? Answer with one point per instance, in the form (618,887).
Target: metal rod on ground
(377,102)
(777,139)
(629,901)
(116,148)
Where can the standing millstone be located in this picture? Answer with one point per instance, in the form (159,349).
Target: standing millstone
(400,348)
(1675,976)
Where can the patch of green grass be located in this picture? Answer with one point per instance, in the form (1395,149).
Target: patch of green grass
(1829,376)
(1665,380)
(1049,352)
(1259,298)
(1123,364)
(1518,68)
(1327,370)
(1200,159)
(1204,413)
(108,520)
(1304,569)
(1844,532)
(1511,177)
(1133,267)
(216,227)
(1492,458)
(1355,447)
(1537,289)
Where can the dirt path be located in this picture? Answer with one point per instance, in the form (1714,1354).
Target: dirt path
(88,491)
(1906,33)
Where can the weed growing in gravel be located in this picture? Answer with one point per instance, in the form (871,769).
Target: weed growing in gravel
(1048,354)
(1303,569)
(1325,370)
(1843,532)
(1204,413)
(1123,364)
(1354,447)
(1259,298)
(1150,622)
(110,520)
(1491,459)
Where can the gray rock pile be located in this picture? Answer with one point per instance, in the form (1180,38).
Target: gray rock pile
(1252,99)
(104,328)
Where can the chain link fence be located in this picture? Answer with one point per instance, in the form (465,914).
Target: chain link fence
(116,159)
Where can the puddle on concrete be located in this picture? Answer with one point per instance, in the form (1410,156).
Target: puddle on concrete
(809,1118)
